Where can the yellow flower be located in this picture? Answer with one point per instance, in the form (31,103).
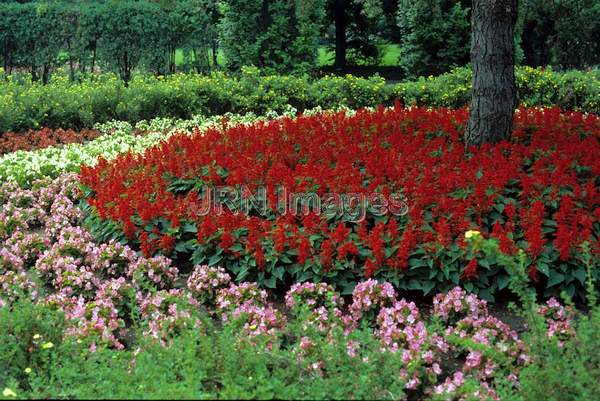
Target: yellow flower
(47,345)
(28,370)
(9,393)
(36,336)
(472,234)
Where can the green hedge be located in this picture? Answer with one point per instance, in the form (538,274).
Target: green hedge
(103,97)
(118,36)
(570,90)
(129,35)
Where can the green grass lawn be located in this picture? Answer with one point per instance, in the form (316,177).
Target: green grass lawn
(391,53)
(179,59)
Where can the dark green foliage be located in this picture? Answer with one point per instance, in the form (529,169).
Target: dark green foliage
(64,104)
(365,20)
(278,35)
(564,33)
(435,36)
(570,372)
(122,36)
(135,30)
(561,369)
(192,27)
(117,36)
(23,332)
(195,365)
(32,36)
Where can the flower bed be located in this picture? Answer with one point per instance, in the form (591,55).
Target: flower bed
(31,140)
(114,298)
(539,192)
(24,167)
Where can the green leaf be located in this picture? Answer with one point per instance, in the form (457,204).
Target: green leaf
(304,276)
(189,228)
(243,273)
(271,282)
(198,256)
(484,263)
(502,281)
(555,278)
(414,285)
(486,294)
(580,274)
(285,259)
(543,268)
(214,260)
(237,247)
(415,263)
(428,286)
(181,247)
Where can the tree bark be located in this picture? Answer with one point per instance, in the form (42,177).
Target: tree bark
(215,52)
(340,34)
(494,94)
(71,66)
(94,59)
(45,74)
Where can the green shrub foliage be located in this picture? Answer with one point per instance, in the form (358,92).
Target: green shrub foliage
(564,33)
(435,35)
(275,34)
(122,36)
(103,97)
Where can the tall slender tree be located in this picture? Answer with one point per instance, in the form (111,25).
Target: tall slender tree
(494,95)
(339,15)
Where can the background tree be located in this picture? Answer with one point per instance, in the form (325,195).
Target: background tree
(563,33)
(132,31)
(435,35)
(338,10)
(494,94)
(32,36)
(88,32)
(189,34)
(197,33)
(278,35)
(357,27)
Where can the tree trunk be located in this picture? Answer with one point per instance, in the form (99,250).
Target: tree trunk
(71,66)
(494,95)
(45,74)
(94,58)
(125,69)
(195,58)
(215,52)
(172,59)
(340,34)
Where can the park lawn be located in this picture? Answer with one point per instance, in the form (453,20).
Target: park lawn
(391,54)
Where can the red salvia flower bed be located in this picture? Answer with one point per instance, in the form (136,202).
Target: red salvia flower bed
(540,192)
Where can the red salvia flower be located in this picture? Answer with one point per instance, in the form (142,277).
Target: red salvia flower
(382,151)
(471,270)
